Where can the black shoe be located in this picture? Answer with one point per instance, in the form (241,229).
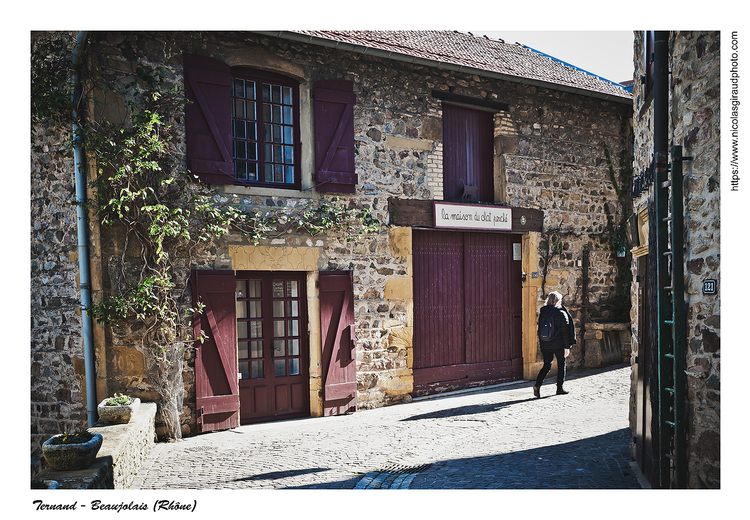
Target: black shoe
(560,391)
(536,391)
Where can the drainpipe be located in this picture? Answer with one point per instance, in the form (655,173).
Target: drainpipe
(83,242)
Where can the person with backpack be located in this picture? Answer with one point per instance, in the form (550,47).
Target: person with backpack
(556,334)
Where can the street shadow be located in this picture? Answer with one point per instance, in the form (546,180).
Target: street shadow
(469,410)
(599,462)
(276,475)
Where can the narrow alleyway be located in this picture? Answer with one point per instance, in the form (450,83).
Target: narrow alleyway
(496,438)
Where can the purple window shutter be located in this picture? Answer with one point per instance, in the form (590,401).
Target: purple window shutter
(208,119)
(334,136)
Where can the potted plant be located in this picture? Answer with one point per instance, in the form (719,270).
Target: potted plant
(118,409)
(70,451)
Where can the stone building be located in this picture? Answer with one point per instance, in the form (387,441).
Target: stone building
(676,368)
(495,173)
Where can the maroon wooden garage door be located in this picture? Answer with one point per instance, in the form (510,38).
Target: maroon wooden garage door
(467,310)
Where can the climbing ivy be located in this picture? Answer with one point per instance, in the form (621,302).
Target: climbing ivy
(142,192)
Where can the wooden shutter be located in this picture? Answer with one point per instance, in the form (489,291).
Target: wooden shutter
(468,154)
(208,119)
(339,342)
(334,136)
(217,398)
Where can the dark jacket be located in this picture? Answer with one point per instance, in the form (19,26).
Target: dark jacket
(563,326)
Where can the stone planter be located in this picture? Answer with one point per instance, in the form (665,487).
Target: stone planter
(67,457)
(119,414)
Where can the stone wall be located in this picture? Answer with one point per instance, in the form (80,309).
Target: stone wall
(549,155)
(57,383)
(694,117)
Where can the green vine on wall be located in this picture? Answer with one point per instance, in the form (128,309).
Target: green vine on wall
(161,213)
(616,236)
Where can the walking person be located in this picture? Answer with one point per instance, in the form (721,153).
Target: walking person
(556,335)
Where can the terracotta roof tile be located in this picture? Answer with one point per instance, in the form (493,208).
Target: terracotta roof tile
(480,53)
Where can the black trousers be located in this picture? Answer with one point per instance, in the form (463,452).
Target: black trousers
(548,355)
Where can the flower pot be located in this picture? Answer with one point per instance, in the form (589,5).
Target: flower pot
(66,457)
(119,414)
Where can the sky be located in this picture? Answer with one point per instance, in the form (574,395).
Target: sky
(608,54)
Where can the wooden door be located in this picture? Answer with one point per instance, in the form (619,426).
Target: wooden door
(644,446)
(339,359)
(467,310)
(272,345)
(216,391)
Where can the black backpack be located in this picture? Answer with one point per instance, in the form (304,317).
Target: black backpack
(546,329)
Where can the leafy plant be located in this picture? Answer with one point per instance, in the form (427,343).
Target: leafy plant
(118,400)
(76,437)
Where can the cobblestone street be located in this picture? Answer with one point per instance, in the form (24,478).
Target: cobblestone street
(495,438)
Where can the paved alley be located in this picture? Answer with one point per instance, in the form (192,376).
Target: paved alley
(500,437)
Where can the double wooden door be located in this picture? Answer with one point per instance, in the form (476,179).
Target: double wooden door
(271,311)
(467,309)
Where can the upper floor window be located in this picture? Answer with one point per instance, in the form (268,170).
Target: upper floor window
(265,129)
(242,127)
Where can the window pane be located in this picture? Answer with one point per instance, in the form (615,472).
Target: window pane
(252,171)
(243,352)
(278,289)
(279,367)
(287,95)
(288,116)
(242,309)
(240,149)
(250,110)
(244,370)
(292,308)
(288,133)
(256,349)
(240,170)
(269,173)
(267,113)
(291,289)
(253,289)
(278,154)
(277,93)
(256,309)
(238,129)
(257,369)
(278,309)
(238,88)
(278,171)
(288,155)
(278,329)
(252,151)
(293,367)
(256,329)
(290,174)
(266,92)
(251,133)
(293,327)
(279,348)
(277,133)
(276,114)
(294,347)
(242,329)
(241,286)
(239,108)
(250,89)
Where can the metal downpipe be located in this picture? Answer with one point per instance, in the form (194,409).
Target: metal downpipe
(83,242)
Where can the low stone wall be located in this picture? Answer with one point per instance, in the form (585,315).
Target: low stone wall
(606,344)
(124,449)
